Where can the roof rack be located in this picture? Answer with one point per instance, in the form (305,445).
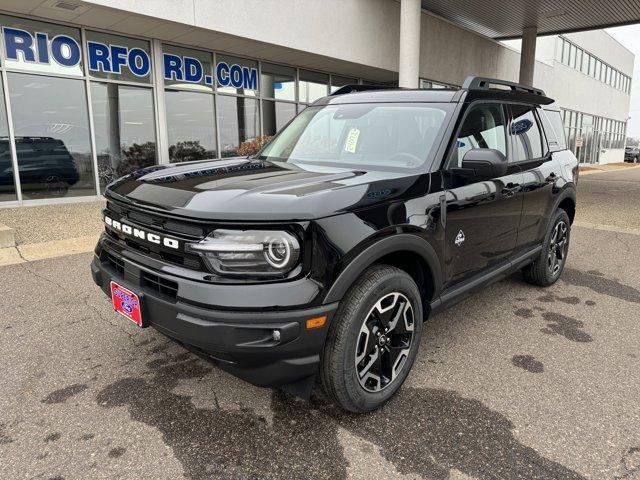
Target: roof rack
(482,83)
(361,88)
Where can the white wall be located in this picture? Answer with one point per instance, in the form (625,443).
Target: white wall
(366,32)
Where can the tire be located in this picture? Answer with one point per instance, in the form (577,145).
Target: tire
(354,342)
(544,271)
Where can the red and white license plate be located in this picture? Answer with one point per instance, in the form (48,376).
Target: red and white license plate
(127,303)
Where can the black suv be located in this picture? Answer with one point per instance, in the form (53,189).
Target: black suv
(632,154)
(321,256)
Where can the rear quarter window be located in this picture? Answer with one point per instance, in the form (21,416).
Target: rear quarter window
(554,129)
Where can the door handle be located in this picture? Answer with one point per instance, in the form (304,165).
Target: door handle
(510,189)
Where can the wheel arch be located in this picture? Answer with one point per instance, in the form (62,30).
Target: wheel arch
(408,252)
(567,201)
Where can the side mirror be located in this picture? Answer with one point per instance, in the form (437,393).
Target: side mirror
(485,162)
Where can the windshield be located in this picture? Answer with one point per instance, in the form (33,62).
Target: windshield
(394,136)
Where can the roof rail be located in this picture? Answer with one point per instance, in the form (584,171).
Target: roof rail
(360,88)
(482,83)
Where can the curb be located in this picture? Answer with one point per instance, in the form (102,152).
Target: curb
(7,236)
(31,252)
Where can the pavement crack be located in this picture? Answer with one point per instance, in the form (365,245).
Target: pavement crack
(83,299)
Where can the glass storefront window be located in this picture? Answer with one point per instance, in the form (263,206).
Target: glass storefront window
(187,68)
(337,82)
(278,82)
(275,115)
(312,86)
(7,180)
(236,75)
(239,122)
(190,125)
(124,129)
(51,127)
(63,54)
(114,57)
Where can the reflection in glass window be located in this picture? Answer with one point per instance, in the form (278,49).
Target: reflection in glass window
(483,127)
(68,53)
(369,136)
(239,122)
(184,66)
(278,82)
(337,82)
(242,72)
(124,129)
(190,125)
(275,115)
(526,132)
(51,126)
(135,55)
(312,86)
(7,181)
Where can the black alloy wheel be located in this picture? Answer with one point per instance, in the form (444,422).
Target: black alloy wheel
(384,342)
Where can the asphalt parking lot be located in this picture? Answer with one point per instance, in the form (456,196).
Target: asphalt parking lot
(514,383)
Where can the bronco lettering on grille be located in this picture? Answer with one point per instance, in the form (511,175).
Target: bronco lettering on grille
(142,234)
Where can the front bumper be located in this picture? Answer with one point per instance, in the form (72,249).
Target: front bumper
(241,342)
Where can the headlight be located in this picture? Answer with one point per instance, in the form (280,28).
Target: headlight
(249,252)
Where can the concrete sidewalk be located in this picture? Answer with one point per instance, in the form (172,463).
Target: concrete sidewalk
(49,231)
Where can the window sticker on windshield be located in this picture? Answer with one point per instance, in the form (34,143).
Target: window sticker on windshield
(352,140)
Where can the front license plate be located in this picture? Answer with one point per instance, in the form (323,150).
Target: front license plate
(127,303)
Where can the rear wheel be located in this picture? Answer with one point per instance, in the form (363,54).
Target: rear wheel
(373,340)
(548,267)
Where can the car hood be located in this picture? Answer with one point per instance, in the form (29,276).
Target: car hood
(242,189)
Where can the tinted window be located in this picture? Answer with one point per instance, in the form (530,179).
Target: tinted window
(483,127)
(64,62)
(7,184)
(51,125)
(108,70)
(190,126)
(275,115)
(525,132)
(555,119)
(278,81)
(239,124)
(124,129)
(312,86)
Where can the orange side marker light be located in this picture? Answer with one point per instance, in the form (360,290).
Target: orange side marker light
(317,322)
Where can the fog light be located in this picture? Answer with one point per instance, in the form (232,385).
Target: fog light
(275,335)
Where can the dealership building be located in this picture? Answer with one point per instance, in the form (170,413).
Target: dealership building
(92,90)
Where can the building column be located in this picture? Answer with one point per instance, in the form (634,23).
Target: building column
(528,55)
(409,55)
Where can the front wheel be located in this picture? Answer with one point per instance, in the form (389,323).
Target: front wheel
(548,266)
(373,339)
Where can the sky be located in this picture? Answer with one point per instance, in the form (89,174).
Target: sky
(630,37)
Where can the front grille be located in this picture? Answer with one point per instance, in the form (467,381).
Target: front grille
(116,263)
(159,222)
(167,288)
(185,231)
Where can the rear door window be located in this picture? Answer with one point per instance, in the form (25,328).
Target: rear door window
(527,139)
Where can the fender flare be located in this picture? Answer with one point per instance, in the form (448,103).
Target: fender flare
(385,246)
(568,192)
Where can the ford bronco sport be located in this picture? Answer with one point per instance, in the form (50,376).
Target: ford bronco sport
(320,257)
